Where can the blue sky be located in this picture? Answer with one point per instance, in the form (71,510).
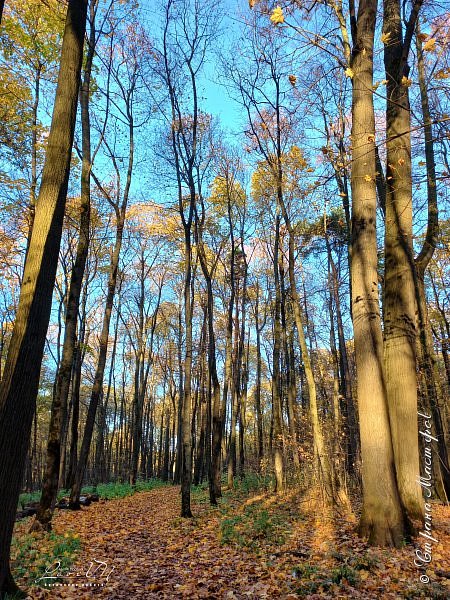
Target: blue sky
(215,99)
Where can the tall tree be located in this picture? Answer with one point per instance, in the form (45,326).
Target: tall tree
(427,359)
(125,72)
(382,517)
(19,385)
(145,323)
(188,30)
(229,196)
(208,274)
(399,302)
(59,403)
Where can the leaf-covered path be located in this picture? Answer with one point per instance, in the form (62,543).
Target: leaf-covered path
(156,554)
(283,548)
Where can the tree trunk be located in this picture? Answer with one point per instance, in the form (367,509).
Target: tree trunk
(100,458)
(382,519)
(153,450)
(352,430)
(444,333)
(215,458)
(97,388)
(235,364)
(242,413)
(120,215)
(34,134)
(277,441)
(231,467)
(138,397)
(324,471)
(336,381)
(186,435)
(399,278)
(290,373)
(201,424)
(427,359)
(177,474)
(19,386)
(59,403)
(242,372)
(142,370)
(165,469)
(227,372)
(259,418)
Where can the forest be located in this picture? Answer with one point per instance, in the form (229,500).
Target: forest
(224,299)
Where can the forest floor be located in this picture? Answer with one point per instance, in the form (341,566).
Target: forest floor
(254,545)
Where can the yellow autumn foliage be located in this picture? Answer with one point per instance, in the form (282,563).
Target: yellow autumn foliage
(154,220)
(294,165)
(224,190)
(406,81)
(430,45)
(277,16)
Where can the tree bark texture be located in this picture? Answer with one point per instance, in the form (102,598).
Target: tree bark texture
(19,386)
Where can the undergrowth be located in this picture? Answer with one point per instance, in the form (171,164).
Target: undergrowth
(35,553)
(106,491)
(251,524)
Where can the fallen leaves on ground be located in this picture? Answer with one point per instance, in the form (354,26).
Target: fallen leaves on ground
(252,546)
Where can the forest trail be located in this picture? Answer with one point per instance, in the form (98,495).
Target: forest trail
(156,554)
(152,553)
